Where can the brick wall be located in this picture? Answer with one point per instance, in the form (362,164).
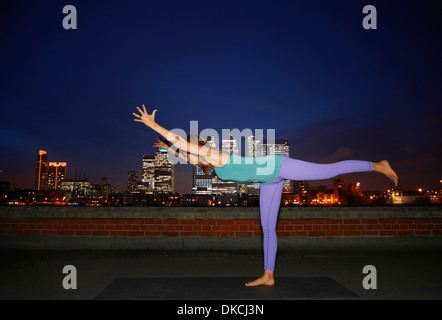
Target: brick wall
(146,227)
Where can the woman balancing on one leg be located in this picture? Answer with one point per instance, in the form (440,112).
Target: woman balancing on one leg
(270,171)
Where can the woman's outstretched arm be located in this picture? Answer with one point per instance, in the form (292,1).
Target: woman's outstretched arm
(210,155)
(175,139)
(177,153)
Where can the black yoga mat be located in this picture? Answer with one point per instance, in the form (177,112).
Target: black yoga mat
(221,289)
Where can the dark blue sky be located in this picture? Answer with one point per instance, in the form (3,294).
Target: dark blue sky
(307,69)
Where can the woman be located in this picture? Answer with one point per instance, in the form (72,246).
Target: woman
(270,171)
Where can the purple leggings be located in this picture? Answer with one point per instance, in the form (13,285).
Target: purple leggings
(292,169)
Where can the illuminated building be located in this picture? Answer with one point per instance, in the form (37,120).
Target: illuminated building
(303,189)
(107,188)
(354,195)
(321,195)
(132,180)
(147,174)
(339,190)
(221,187)
(56,174)
(289,199)
(157,173)
(254,148)
(164,172)
(279,146)
(76,188)
(229,144)
(41,171)
(202,183)
(397,197)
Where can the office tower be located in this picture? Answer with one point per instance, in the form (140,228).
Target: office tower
(147,174)
(255,146)
(202,183)
(164,172)
(105,187)
(229,144)
(41,172)
(279,146)
(132,180)
(221,187)
(56,174)
(254,149)
(76,188)
(339,190)
(95,190)
(303,189)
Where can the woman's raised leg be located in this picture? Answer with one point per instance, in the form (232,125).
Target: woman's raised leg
(293,169)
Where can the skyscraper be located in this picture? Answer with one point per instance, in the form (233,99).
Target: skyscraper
(279,146)
(148,174)
(201,182)
(303,190)
(56,174)
(76,188)
(255,146)
(41,171)
(132,180)
(282,147)
(339,190)
(254,149)
(164,172)
(106,187)
(221,187)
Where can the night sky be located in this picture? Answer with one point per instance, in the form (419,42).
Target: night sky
(307,69)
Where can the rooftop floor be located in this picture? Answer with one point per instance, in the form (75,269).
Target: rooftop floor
(37,274)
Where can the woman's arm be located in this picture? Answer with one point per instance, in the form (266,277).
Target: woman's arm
(212,156)
(177,140)
(165,146)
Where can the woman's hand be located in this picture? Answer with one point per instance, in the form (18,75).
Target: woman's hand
(161,144)
(144,117)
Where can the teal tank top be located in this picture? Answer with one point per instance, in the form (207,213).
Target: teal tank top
(250,169)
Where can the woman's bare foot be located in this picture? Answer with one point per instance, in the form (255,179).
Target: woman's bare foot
(267,279)
(384,168)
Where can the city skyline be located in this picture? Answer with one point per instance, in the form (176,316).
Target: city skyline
(157,173)
(308,70)
(156,186)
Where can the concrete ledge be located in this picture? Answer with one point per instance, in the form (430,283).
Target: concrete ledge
(219,228)
(220,213)
(285,245)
